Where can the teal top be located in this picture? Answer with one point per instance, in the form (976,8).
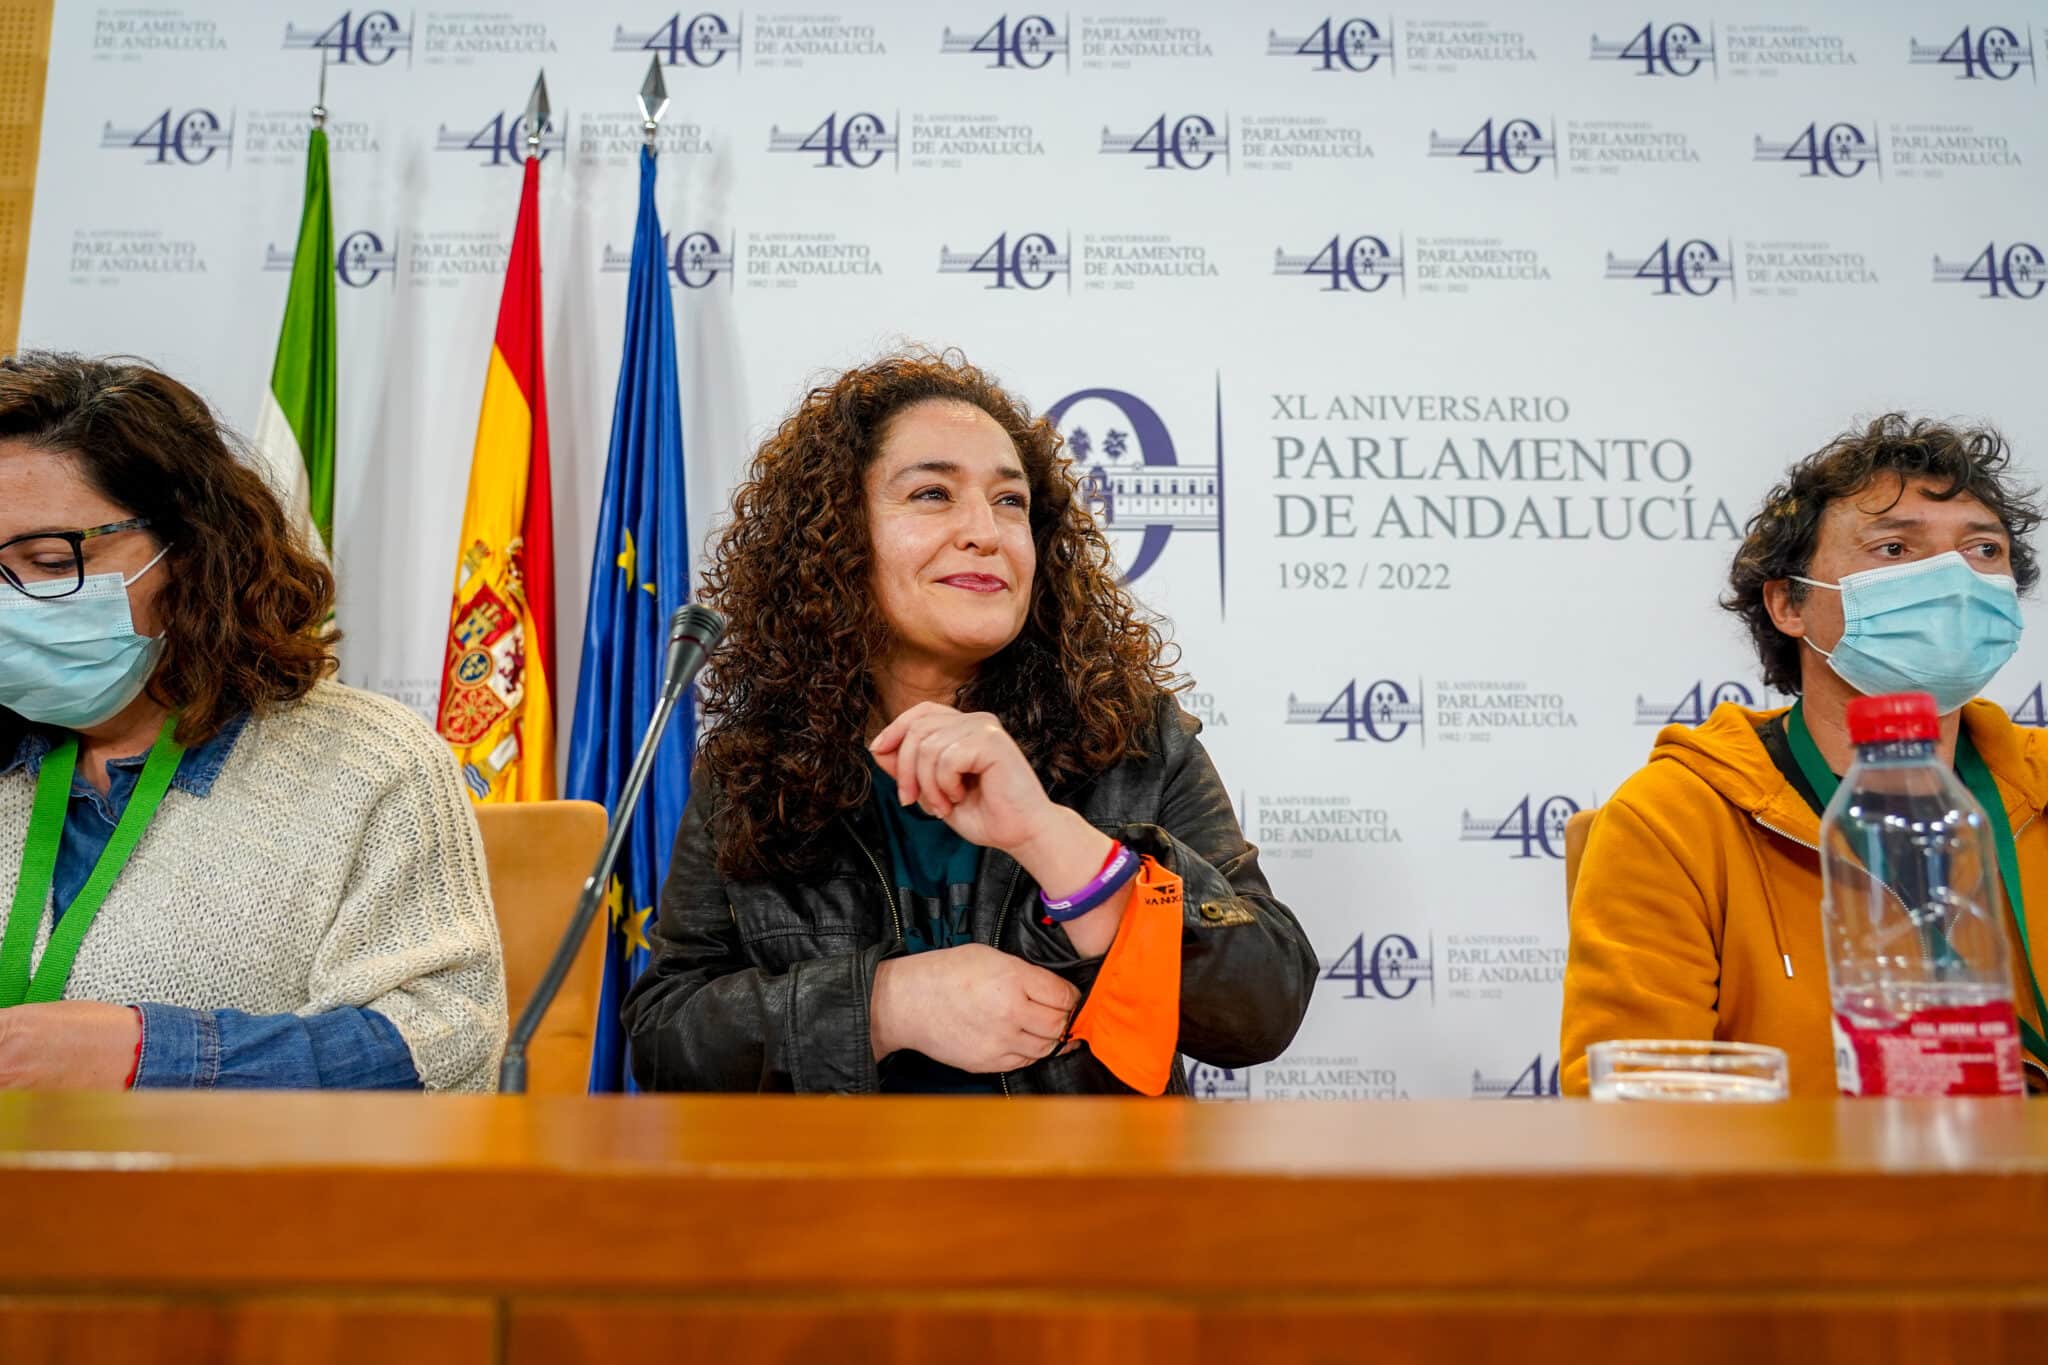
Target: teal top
(933,871)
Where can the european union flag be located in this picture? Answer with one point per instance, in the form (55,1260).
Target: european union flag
(639,575)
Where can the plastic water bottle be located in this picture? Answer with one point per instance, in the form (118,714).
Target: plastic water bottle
(1917,954)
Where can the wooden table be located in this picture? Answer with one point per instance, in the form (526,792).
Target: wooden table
(366,1228)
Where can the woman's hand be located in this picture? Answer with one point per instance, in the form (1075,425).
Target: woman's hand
(973,1007)
(68,1045)
(965,769)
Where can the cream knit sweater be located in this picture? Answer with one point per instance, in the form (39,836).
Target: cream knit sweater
(335,862)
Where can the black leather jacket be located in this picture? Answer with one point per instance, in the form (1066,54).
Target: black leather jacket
(764,985)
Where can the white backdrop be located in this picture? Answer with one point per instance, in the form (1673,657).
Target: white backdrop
(1431,363)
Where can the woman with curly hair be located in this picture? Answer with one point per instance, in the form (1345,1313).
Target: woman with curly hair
(225,869)
(948,821)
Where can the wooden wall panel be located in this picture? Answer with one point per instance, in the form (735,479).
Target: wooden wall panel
(40,1330)
(905,1330)
(333,1227)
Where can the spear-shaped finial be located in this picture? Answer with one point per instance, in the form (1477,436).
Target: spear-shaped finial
(536,114)
(653,100)
(320,101)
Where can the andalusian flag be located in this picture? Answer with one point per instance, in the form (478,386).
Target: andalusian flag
(496,709)
(295,432)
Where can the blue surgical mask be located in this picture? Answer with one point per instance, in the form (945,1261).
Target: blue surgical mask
(74,661)
(1935,625)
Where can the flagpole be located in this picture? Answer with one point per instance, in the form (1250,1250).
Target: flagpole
(537,111)
(639,575)
(293,431)
(319,114)
(497,680)
(653,102)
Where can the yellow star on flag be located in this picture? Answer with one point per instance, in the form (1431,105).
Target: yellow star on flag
(629,559)
(615,901)
(635,930)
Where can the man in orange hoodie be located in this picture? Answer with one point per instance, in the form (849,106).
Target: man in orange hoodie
(1891,560)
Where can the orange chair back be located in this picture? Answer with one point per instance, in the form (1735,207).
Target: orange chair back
(539,852)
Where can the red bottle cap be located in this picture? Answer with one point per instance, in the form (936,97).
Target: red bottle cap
(1894,716)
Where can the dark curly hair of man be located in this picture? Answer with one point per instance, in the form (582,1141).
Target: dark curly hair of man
(1892,450)
(789,698)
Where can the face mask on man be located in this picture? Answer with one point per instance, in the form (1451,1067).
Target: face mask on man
(74,661)
(1935,625)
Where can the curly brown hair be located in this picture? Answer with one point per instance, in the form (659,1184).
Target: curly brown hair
(1967,462)
(788,698)
(244,602)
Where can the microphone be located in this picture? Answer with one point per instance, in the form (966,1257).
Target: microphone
(693,632)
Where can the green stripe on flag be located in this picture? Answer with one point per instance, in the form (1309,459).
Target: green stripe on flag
(302,377)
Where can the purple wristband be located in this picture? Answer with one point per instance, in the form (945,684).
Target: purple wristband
(1121,867)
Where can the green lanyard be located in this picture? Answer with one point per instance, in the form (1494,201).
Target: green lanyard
(1970,767)
(1819,775)
(39,868)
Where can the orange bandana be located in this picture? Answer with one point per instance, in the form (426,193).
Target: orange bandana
(1132,1017)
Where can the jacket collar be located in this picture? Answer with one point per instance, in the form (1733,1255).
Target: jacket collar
(1726,754)
(196,774)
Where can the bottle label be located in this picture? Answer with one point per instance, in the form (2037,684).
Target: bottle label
(1947,1050)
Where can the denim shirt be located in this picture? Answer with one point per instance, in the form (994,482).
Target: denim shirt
(356,1049)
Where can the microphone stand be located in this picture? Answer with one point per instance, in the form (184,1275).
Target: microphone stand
(512,1071)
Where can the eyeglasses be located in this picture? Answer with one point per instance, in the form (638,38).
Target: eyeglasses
(51,564)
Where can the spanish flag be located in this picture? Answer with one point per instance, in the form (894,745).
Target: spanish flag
(497,712)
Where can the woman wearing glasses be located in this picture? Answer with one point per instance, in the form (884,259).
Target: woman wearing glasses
(222,868)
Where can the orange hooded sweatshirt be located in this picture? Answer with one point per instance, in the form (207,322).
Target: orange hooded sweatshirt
(1697,908)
